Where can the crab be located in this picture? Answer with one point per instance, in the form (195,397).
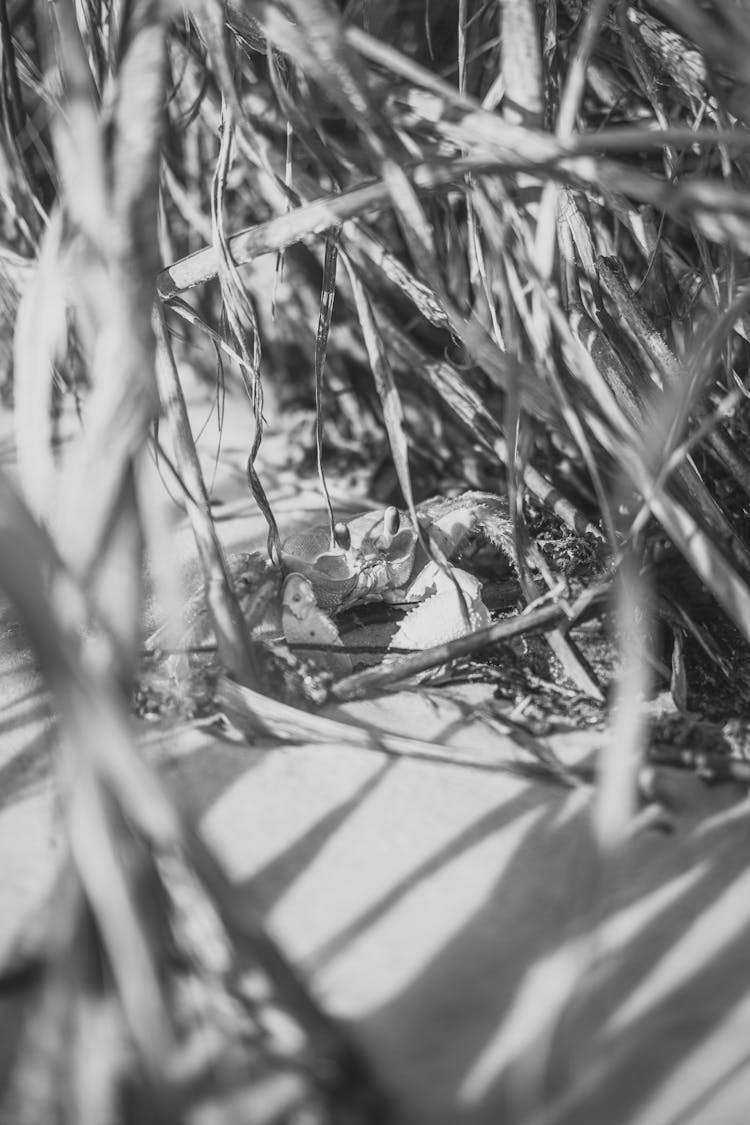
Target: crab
(381,557)
(378,556)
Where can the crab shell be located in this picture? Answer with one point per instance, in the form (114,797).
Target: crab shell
(377,560)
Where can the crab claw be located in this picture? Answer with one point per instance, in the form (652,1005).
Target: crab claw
(329,570)
(445,608)
(304,623)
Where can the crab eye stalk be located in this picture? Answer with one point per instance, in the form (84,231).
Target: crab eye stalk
(391,521)
(342,536)
(391,524)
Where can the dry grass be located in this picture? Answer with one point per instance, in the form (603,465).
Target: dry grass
(542,215)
